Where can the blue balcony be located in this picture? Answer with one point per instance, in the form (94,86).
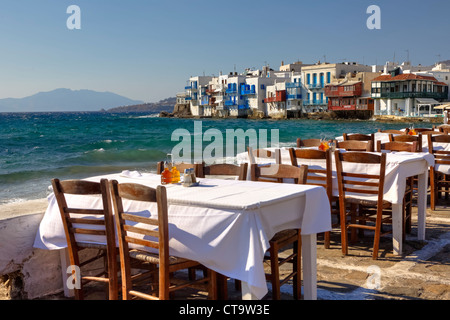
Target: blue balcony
(248,91)
(231,91)
(188,98)
(294,96)
(230,103)
(293,85)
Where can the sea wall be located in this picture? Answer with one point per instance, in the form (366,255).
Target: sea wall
(26,272)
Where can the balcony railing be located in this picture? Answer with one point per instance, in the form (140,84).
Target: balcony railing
(293,85)
(229,103)
(316,85)
(248,92)
(231,90)
(314,102)
(405,95)
(294,96)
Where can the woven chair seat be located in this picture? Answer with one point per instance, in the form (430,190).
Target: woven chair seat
(153,257)
(284,234)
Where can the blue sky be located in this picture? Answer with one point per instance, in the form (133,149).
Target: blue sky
(146,50)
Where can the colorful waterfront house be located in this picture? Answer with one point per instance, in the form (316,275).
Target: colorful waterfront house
(407,94)
(196,93)
(316,77)
(276,101)
(351,93)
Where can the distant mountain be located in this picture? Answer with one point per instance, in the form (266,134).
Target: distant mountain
(156,107)
(65,100)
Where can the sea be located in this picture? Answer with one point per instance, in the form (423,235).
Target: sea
(37,147)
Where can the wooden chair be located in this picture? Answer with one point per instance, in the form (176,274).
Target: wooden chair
(354,189)
(92,222)
(225,169)
(150,233)
(181,167)
(308,143)
(394,131)
(445,128)
(355,145)
(318,175)
(286,237)
(407,138)
(408,197)
(265,154)
(270,156)
(397,146)
(439,181)
(361,137)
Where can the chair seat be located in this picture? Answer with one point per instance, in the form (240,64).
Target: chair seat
(153,257)
(283,235)
(366,202)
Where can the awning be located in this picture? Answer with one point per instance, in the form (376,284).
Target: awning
(426,101)
(443,106)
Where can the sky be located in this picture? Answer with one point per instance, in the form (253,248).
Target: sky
(147,50)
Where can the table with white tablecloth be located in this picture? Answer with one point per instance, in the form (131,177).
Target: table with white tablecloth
(225,225)
(399,166)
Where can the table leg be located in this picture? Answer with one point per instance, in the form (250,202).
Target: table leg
(246,292)
(309,260)
(422,204)
(397,228)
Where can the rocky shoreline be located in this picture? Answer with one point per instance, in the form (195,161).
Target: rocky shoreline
(182,111)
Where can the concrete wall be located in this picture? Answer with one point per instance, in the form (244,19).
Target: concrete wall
(26,272)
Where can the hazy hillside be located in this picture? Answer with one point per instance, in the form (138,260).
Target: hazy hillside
(65,100)
(163,105)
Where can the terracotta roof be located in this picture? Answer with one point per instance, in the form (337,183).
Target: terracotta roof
(441,83)
(404,76)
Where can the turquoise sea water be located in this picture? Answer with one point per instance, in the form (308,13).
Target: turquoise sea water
(36,147)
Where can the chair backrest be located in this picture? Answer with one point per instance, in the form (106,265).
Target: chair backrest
(408,138)
(141,229)
(359,137)
(398,146)
(308,142)
(320,175)
(181,167)
(226,169)
(355,145)
(432,132)
(369,183)
(394,131)
(86,221)
(440,156)
(265,154)
(423,129)
(279,172)
(445,128)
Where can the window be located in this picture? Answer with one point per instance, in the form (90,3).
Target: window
(308,78)
(328,77)
(262,86)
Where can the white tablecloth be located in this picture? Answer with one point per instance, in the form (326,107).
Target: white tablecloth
(399,166)
(223,224)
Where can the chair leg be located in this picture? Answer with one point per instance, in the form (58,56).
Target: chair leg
(297,266)
(327,240)
(376,240)
(212,285)
(432,189)
(274,271)
(344,240)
